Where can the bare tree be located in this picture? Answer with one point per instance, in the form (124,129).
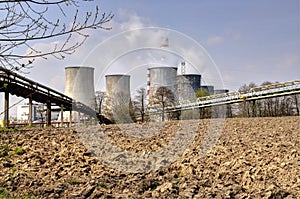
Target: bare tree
(248,109)
(270,107)
(41,111)
(100,97)
(118,108)
(139,102)
(296,102)
(24,22)
(162,98)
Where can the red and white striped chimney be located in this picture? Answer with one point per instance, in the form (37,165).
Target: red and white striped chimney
(165,43)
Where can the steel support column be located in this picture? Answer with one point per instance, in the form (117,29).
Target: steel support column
(30,111)
(70,122)
(48,120)
(61,115)
(6,109)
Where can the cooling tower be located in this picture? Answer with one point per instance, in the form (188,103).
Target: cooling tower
(187,85)
(118,106)
(163,69)
(162,77)
(80,86)
(117,84)
(165,78)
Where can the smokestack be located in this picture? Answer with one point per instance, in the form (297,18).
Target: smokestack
(148,84)
(165,43)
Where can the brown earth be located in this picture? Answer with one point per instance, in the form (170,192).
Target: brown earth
(253,158)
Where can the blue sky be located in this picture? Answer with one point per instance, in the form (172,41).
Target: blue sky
(250,41)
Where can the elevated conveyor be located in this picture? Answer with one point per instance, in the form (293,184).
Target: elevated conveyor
(261,92)
(20,86)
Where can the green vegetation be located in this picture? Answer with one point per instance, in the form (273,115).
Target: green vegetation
(74,181)
(202,93)
(19,151)
(13,170)
(28,127)
(6,148)
(101,184)
(3,193)
(29,196)
(9,129)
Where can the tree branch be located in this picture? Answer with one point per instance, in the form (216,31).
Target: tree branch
(25,21)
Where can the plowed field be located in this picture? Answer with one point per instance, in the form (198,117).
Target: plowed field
(253,158)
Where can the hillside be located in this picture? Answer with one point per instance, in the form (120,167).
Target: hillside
(253,158)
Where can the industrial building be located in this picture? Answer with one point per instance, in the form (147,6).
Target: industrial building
(209,88)
(38,113)
(187,85)
(23,112)
(220,91)
(168,71)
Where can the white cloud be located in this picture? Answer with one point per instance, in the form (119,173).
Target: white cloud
(50,71)
(288,61)
(215,40)
(134,22)
(236,36)
(57,82)
(228,36)
(102,47)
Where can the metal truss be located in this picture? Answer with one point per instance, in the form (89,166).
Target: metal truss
(261,92)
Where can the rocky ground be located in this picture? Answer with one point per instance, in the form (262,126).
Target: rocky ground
(253,158)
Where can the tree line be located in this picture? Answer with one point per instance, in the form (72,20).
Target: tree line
(271,107)
(163,97)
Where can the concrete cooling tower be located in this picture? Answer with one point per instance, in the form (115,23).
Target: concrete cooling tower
(80,86)
(118,106)
(187,85)
(161,77)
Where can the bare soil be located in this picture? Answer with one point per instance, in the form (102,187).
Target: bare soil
(253,158)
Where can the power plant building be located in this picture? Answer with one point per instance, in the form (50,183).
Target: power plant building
(23,112)
(187,85)
(209,89)
(167,70)
(220,91)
